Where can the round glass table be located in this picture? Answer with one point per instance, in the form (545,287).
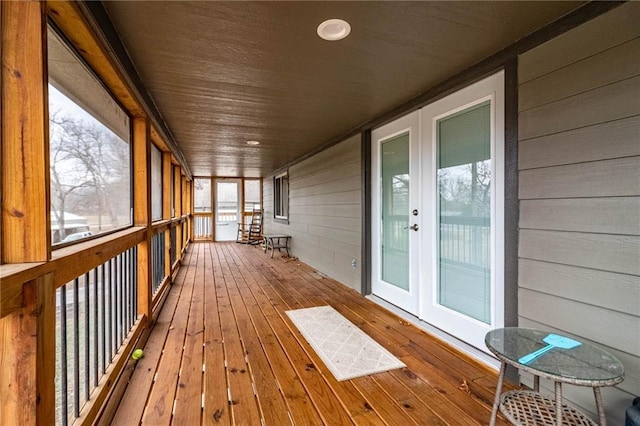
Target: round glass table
(567,361)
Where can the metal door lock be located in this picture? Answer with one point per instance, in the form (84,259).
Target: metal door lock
(415,212)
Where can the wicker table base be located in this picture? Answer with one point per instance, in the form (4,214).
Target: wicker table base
(526,408)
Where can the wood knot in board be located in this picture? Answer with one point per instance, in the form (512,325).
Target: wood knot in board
(464,387)
(16,213)
(217,415)
(410,374)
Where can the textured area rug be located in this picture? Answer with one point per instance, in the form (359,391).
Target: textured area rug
(345,349)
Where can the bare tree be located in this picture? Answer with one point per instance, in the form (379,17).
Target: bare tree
(89,166)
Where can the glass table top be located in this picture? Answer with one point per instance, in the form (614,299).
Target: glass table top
(585,364)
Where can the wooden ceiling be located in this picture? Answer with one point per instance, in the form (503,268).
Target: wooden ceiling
(223,73)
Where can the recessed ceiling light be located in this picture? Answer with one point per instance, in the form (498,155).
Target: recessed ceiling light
(253,143)
(334,29)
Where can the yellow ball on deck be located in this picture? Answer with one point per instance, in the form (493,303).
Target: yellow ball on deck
(137,354)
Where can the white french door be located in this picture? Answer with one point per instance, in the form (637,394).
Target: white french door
(228,208)
(395,275)
(452,268)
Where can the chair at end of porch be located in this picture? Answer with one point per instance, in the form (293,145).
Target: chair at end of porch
(250,229)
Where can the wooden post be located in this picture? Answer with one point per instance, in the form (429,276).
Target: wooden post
(142,210)
(177,205)
(27,358)
(166,209)
(27,336)
(189,210)
(185,193)
(26,235)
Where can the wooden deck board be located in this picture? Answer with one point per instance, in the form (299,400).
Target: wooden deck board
(134,400)
(216,397)
(226,310)
(272,405)
(188,406)
(159,409)
(244,406)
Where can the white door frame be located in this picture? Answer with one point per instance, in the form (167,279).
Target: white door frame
(461,326)
(421,298)
(231,233)
(407,300)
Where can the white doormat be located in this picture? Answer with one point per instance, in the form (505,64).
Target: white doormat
(345,349)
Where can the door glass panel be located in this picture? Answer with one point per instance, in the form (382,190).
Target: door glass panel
(395,211)
(227,209)
(464,212)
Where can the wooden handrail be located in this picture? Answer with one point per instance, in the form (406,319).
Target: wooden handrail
(68,263)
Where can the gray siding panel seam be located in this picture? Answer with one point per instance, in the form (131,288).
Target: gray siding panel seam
(590,268)
(604,86)
(586,126)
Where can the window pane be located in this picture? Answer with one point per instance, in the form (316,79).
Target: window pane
(90,155)
(202,195)
(395,211)
(281,196)
(464,212)
(251,195)
(156,183)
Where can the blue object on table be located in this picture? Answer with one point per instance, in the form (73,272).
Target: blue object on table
(633,414)
(552,341)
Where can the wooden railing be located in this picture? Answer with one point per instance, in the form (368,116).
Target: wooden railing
(86,299)
(95,314)
(203,225)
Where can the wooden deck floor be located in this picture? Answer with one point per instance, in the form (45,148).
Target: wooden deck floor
(223,352)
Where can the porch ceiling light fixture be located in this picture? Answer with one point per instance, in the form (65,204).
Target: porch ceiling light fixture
(334,29)
(253,143)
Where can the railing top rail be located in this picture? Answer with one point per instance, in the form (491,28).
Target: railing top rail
(68,263)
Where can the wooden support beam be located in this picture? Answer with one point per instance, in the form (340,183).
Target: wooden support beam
(27,358)
(185,210)
(166,209)
(26,235)
(142,210)
(177,206)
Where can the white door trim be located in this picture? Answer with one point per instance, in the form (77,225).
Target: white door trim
(463,327)
(407,300)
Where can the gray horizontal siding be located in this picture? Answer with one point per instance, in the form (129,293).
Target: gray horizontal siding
(614,215)
(615,139)
(324,211)
(579,190)
(609,30)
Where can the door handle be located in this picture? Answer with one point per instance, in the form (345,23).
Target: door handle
(415,227)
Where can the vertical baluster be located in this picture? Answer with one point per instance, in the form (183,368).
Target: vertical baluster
(132,268)
(123,305)
(112,308)
(118,302)
(96,327)
(123,295)
(85,343)
(103,306)
(64,385)
(76,348)
(127,291)
(132,297)
(135,280)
